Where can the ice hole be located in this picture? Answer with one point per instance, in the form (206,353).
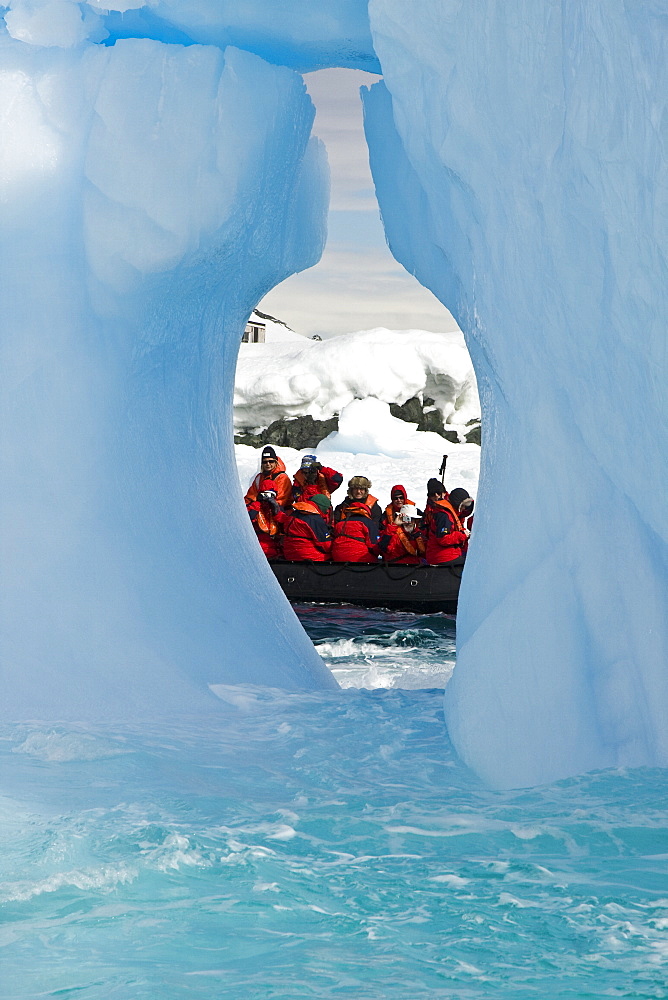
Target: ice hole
(377,373)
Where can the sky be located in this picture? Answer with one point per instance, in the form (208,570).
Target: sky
(358,285)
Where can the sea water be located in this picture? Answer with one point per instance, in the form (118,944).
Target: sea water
(322,845)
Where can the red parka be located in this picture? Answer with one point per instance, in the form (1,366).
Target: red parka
(266,528)
(399,546)
(389,513)
(356,536)
(443,530)
(306,534)
(281,481)
(328,480)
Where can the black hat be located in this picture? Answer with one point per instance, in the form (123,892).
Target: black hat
(268,452)
(457,495)
(435,486)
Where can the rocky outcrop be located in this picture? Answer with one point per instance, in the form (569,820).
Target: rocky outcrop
(295,432)
(473,436)
(305,432)
(428,417)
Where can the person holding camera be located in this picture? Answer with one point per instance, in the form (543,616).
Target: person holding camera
(262,512)
(401,540)
(314,478)
(271,467)
(398,499)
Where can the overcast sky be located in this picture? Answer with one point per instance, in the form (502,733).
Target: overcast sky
(358,284)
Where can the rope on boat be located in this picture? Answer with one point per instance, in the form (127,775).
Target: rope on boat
(324,570)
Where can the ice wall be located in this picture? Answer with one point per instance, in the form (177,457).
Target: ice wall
(519,157)
(150,195)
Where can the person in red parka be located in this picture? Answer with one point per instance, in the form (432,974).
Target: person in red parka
(403,541)
(445,539)
(314,478)
(271,467)
(358,492)
(262,513)
(457,498)
(306,534)
(355,536)
(398,499)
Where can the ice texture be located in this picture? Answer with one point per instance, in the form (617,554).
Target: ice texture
(519,157)
(150,195)
(304,35)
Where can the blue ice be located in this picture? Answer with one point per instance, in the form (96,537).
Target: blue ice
(519,160)
(152,190)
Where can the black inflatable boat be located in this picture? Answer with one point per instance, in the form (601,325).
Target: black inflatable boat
(373,585)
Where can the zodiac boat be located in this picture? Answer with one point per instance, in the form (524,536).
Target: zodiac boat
(381,585)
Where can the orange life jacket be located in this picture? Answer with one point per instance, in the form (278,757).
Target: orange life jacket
(447,506)
(413,546)
(389,513)
(370,501)
(281,480)
(266,524)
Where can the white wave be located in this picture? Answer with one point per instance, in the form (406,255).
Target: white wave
(104,878)
(57,747)
(345,648)
(175,852)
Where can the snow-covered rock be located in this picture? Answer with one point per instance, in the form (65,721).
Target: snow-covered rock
(286,378)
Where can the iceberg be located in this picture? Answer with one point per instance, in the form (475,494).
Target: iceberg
(157,178)
(518,153)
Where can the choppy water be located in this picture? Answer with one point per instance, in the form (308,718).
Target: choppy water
(382,649)
(322,846)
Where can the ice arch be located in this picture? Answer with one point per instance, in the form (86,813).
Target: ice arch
(526,144)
